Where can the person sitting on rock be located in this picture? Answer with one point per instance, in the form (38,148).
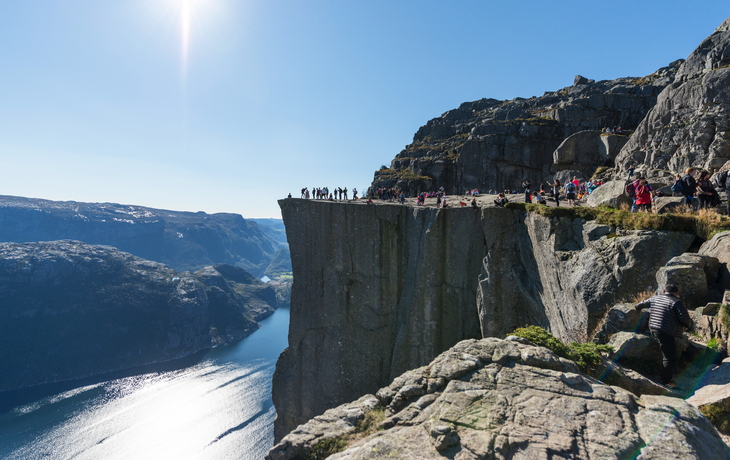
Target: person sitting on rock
(706,193)
(667,318)
(501,200)
(539,198)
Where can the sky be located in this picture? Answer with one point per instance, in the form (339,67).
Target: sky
(229,105)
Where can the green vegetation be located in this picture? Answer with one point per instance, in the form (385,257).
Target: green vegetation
(401,174)
(702,224)
(718,416)
(724,315)
(599,170)
(324,449)
(365,427)
(586,355)
(713,344)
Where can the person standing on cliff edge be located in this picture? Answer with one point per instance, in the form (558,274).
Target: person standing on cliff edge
(667,318)
(527,188)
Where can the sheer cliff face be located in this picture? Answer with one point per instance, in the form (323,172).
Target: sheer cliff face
(377,290)
(382,289)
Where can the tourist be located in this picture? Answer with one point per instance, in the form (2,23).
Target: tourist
(706,193)
(689,185)
(556,191)
(474,204)
(667,318)
(570,191)
(354,193)
(289,196)
(527,188)
(630,191)
(501,200)
(642,198)
(538,198)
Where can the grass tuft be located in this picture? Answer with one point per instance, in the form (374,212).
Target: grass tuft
(586,355)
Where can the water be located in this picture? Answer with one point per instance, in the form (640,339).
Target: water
(217,408)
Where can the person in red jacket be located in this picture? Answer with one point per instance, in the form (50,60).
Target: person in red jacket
(643,196)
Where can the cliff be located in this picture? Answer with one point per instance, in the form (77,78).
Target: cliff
(381,289)
(689,125)
(492,144)
(72,310)
(182,240)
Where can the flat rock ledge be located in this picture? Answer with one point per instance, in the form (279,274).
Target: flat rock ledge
(508,399)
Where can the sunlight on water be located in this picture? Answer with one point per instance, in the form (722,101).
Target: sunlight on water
(218,409)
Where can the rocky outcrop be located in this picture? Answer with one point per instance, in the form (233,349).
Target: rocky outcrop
(502,399)
(689,125)
(71,310)
(384,288)
(491,144)
(182,240)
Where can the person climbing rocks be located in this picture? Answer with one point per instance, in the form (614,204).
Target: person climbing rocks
(667,318)
(631,171)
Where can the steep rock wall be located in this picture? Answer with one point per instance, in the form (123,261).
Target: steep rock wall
(377,290)
(380,289)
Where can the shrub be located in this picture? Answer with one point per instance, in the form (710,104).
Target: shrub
(586,355)
(324,449)
(717,416)
(713,344)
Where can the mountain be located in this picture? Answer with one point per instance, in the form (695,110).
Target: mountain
(181,240)
(71,310)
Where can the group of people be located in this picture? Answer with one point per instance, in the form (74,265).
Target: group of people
(694,186)
(608,130)
(323,193)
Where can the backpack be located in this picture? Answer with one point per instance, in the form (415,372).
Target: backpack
(721,179)
(570,187)
(630,190)
(678,186)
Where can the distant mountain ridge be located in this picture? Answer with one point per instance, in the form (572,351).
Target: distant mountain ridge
(181,240)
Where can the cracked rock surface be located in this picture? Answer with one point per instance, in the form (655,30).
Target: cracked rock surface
(503,399)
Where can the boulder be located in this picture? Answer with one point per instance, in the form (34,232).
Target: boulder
(714,388)
(582,152)
(632,345)
(666,204)
(719,247)
(610,193)
(621,317)
(615,374)
(691,281)
(710,309)
(580,80)
(566,176)
(726,298)
(493,398)
(710,265)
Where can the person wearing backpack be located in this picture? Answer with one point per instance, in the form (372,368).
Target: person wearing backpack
(667,318)
(706,193)
(570,190)
(643,196)
(689,186)
(630,191)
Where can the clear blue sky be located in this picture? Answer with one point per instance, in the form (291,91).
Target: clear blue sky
(228,105)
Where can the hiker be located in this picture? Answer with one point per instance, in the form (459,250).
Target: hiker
(474,205)
(689,185)
(501,200)
(706,193)
(667,318)
(630,191)
(570,190)
(642,198)
(354,193)
(344,192)
(527,188)
(631,171)
(556,191)
(722,181)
